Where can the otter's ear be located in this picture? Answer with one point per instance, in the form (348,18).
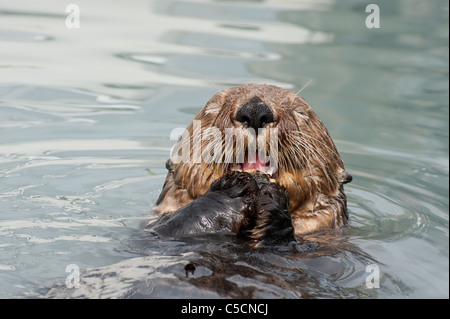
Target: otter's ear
(345,178)
(169,165)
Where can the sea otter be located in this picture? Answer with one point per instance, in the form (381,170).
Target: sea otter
(211,185)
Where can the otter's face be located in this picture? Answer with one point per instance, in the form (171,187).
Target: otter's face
(256,127)
(270,125)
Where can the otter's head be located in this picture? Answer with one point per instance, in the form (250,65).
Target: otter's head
(255,127)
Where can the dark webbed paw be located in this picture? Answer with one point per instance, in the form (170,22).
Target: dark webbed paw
(235,184)
(273,224)
(250,206)
(222,208)
(241,185)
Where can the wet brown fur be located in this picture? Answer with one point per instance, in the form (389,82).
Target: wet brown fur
(309,165)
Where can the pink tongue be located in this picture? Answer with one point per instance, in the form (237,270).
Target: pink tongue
(258,166)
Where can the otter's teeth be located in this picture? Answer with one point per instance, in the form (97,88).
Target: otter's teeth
(236,168)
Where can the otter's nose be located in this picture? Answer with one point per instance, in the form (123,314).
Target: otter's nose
(255,113)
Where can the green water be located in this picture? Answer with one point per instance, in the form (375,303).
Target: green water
(86,116)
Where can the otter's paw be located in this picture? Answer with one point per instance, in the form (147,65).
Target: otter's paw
(235,184)
(240,185)
(224,207)
(273,220)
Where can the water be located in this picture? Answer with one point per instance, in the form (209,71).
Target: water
(85,122)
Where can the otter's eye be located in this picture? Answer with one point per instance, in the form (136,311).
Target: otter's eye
(300,111)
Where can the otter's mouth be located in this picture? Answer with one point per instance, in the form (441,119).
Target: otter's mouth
(256,165)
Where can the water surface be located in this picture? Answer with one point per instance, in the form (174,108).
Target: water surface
(85,122)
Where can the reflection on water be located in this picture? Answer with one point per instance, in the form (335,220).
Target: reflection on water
(223,266)
(86,115)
